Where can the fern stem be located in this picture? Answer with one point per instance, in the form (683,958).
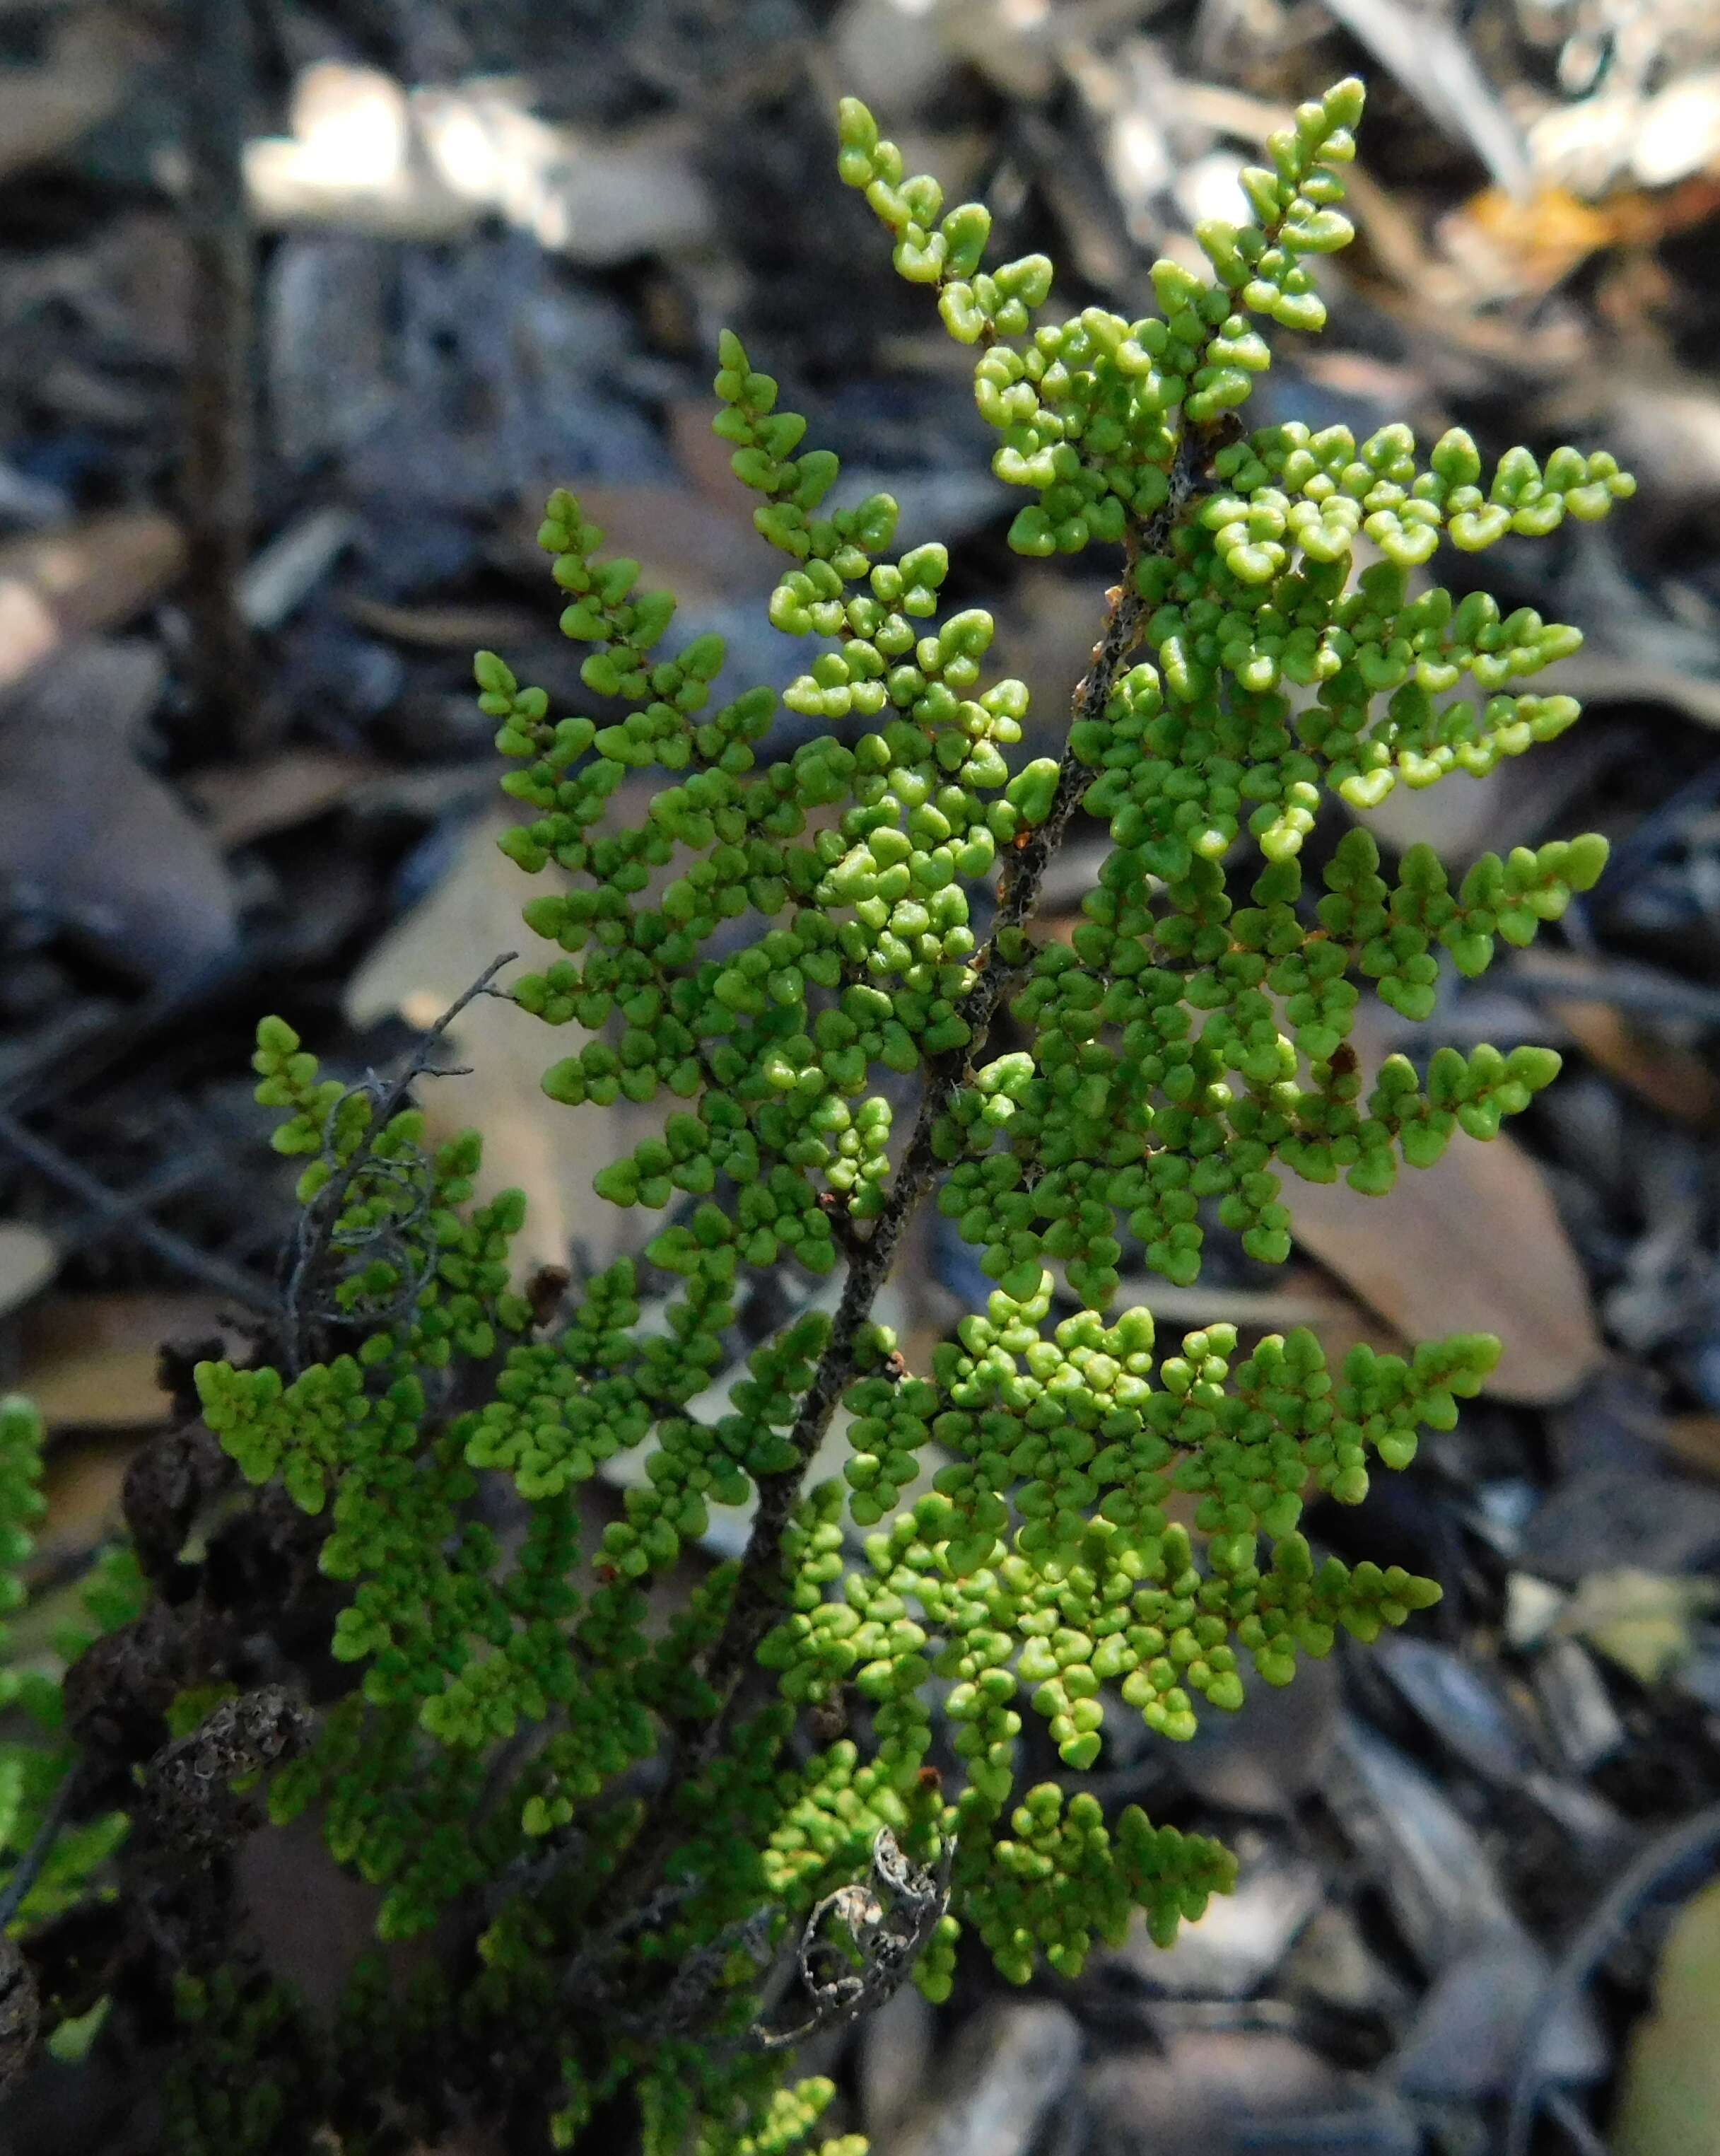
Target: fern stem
(757,1600)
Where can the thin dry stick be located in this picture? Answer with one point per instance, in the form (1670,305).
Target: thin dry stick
(1669,1858)
(116,1212)
(215,69)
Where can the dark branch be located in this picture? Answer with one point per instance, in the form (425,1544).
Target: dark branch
(121,1213)
(758,1595)
(215,75)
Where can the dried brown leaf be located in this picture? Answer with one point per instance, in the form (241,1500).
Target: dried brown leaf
(700,549)
(1304,1296)
(550,1153)
(1641,1620)
(113,1388)
(242,802)
(1694,1441)
(1472,1244)
(61,584)
(437,628)
(83,1485)
(1676,1080)
(703,456)
(1544,238)
(44,108)
(90,1362)
(27,1262)
(1669,2097)
(103,847)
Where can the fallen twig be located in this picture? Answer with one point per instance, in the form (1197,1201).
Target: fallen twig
(119,1212)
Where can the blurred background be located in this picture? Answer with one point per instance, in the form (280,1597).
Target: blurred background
(304,306)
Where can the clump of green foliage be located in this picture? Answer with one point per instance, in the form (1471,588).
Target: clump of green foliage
(807,957)
(33,1765)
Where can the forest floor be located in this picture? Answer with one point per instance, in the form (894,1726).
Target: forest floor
(481,251)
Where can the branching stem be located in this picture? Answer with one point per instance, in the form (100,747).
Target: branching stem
(758,1594)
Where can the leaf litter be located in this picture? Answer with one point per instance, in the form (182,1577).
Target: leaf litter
(511,274)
